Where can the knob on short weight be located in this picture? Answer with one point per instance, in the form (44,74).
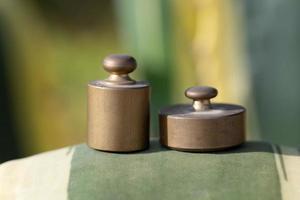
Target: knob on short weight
(201,96)
(119,66)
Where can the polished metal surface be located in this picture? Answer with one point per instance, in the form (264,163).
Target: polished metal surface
(202,126)
(201,96)
(119,66)
(118,108)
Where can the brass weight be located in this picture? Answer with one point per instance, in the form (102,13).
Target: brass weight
(202,126)
(118,108)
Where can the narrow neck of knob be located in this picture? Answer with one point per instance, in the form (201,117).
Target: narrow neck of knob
(119,79)
(201,105)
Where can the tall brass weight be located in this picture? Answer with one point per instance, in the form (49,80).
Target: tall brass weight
(118,108)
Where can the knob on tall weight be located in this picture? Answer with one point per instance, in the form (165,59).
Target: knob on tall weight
(119,66)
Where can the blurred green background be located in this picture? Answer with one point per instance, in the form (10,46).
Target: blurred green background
(51,49)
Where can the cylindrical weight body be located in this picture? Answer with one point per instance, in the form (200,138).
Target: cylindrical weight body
(118,118)
(202,134)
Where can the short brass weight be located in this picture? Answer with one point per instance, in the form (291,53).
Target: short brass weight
(202,126)
(118,108)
